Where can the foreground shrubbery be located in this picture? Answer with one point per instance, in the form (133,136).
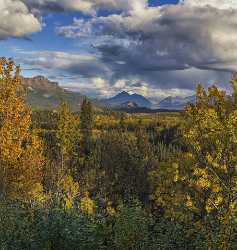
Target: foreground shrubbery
(56,228)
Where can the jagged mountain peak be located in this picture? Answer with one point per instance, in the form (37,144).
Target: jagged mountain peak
(123,93)
(125,97)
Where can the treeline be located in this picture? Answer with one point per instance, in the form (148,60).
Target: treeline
(105,180)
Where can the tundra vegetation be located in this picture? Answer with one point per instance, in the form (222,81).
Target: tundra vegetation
(110,180)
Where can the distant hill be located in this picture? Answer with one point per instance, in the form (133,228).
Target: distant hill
(125,98)
(45,94)
(177,102)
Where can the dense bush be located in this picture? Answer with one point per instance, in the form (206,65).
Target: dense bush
(40,228)
(56,228)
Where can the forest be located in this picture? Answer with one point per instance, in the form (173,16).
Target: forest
(111,180)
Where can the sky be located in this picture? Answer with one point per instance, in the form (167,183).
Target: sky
(156,48)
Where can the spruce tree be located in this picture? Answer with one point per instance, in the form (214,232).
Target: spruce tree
(86,125)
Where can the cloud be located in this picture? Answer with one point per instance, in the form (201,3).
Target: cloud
(95,87)
(152,50)
(79,29)
(224,4)
(192,34)
(84,6)
(101,88)
(91,76)
(67,64)
(20,18)
(16,20)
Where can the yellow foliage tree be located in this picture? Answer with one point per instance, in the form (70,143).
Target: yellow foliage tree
(87,205)
(211,135)
(21,157)
(67,133)
(69,190)
(202,185)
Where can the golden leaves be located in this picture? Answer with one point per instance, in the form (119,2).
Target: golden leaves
(21,155)
(87,205)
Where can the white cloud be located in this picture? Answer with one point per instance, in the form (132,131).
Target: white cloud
(22,17)
(223,4)
(191,34)
(16,20)
(95,87)
(67,64)
(85,6)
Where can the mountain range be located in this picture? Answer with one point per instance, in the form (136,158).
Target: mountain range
(45,94)
(177,102)
(125,100)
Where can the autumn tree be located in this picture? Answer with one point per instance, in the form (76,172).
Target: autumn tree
(202,184)
(211,132)
(67,133)
(21,157)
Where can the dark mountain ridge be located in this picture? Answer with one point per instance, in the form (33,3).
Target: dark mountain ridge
(124,97)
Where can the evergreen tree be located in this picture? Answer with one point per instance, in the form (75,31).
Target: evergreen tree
(86,125)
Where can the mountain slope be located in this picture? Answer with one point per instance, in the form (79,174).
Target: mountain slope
(124,97)
(177,102)
(42,93)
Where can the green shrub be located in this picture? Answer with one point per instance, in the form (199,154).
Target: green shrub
(131,229)
(166,235)
(54,229)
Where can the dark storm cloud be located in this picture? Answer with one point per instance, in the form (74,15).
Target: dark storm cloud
(162,45)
